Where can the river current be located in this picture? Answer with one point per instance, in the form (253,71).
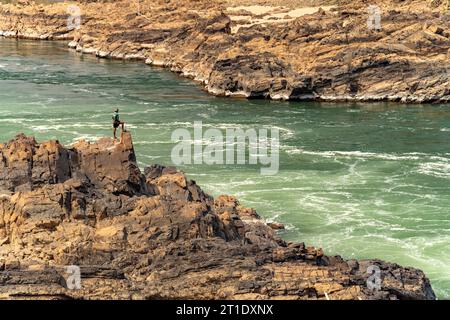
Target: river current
(359,180)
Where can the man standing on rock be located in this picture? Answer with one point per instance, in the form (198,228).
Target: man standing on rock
(117,123)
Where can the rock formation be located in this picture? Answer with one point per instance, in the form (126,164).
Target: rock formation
(154,235)
(281,54)
(327,55)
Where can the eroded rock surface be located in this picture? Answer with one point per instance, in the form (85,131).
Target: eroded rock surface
(154,235)
(278,53)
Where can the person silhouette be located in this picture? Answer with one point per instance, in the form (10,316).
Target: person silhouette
(117,123)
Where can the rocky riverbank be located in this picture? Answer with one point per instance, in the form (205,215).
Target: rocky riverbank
(270,51)
(154,235)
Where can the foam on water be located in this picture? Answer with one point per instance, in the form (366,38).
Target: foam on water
(356,154)
(440,170)
(362,182)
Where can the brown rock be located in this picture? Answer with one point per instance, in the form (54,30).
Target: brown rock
(276,225)
(328,55)
(154,236)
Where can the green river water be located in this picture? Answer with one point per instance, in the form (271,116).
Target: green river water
(359,180)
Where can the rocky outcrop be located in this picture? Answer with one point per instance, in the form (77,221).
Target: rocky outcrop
(326,55)
(154,235)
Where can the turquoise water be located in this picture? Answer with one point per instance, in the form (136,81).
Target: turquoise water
(359,180)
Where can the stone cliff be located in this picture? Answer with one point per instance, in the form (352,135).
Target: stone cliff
(277,53)
(154,235)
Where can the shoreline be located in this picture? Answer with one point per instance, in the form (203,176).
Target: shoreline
(182,252)
(158,63)
(228,94)
(249,73)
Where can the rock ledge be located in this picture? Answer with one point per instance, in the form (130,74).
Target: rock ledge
(154,235)
(328,55)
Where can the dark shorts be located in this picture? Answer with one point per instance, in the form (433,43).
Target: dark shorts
(116,124)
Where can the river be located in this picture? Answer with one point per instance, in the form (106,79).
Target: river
(359,180)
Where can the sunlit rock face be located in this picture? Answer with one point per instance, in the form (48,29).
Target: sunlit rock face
(396,51)
(155,234)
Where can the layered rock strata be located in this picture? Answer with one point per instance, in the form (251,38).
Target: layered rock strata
(154,235)
(342,53)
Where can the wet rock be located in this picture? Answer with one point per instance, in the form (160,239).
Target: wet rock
(276,225)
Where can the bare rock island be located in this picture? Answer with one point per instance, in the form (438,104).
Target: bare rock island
(154,235)
(327,53)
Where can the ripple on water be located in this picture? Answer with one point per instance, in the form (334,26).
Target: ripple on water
(436,169)
(362,182)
